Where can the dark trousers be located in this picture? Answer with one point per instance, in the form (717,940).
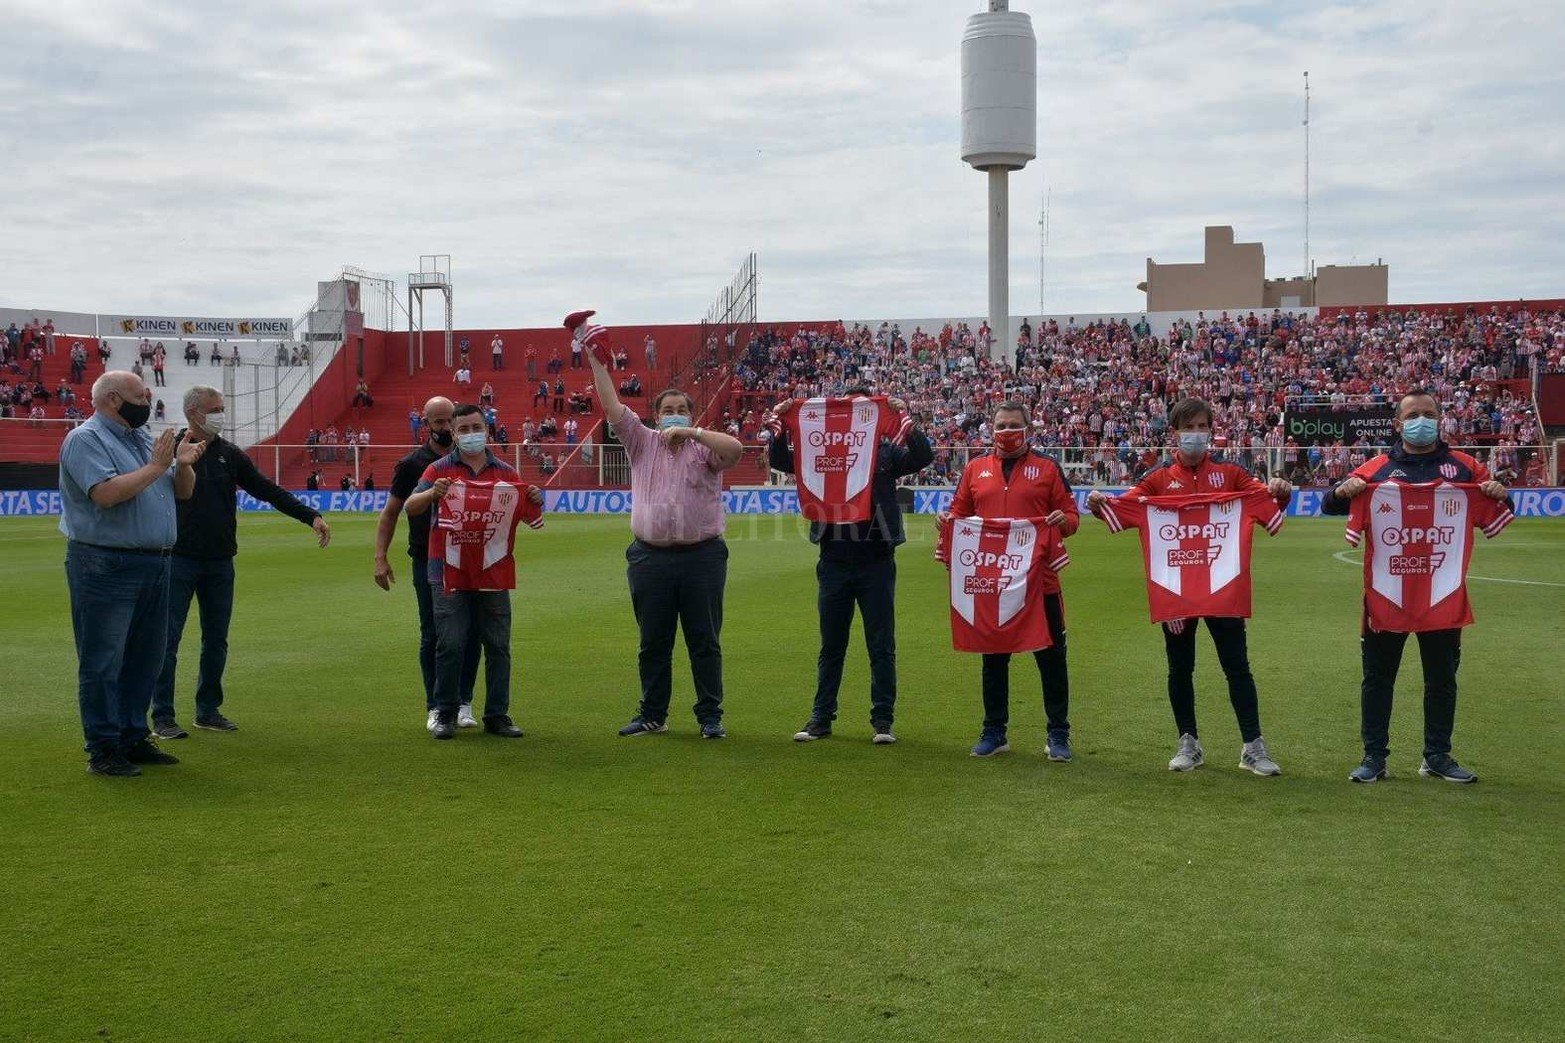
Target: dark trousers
(1051,670)
(1441,652)
(1228,635)
(119,614)
(458,615)
(426,641)
(211,582)
(871,584)
(679,586)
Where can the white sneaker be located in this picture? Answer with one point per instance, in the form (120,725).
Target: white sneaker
(884,738)
(434,715)
(1253,757)
(1189,756)
(464,716)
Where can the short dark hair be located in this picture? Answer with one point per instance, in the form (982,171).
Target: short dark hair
(1187,411)
(1010,406)
(657,403)
(1418,392)
(466,409)
(859,389)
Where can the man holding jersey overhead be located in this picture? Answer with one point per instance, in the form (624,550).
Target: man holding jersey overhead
(1017,481)
(857,524)
(1196,516)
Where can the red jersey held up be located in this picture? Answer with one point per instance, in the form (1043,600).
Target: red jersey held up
(1419,546)
(1036,488)
(1196,548)
(996,565)
(473,536)
(836,442)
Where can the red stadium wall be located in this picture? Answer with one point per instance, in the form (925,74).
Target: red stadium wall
(1506,307)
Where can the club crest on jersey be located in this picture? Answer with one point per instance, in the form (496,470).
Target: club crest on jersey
(1450,508)
(1032,471)
(504,498)
(865,413)
(1450,471)
(1022,539)
(1217,479)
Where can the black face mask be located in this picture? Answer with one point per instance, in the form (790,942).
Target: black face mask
(135,413)
(441,438)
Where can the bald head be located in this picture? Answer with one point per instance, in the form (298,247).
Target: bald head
(437,421)
(439,408)
(125,384)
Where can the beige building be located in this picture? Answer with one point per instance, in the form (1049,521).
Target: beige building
(1233,276)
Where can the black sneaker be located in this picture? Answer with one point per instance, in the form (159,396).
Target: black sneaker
(813,729)
(445,724)
(146,752)
(1444,766)
(216,722)
(169,729)
(112,765)
(642,726)
(501,725)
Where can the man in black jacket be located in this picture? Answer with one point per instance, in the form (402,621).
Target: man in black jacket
(203,560)
(858,566)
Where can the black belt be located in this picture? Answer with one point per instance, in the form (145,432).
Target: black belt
(681,546)
(150,552)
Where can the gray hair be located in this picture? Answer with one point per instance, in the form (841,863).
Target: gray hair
(198,394)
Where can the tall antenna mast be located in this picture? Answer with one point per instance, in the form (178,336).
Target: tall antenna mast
(1307,177)
(1043,247)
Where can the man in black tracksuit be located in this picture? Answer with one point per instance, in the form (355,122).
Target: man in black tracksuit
(203,561)
(1418,457)
(858,566)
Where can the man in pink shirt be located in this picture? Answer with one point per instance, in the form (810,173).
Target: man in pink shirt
(678,562)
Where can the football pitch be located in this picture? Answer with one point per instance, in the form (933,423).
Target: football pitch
(331,872)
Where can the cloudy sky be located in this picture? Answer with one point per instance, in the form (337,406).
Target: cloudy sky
(219,157)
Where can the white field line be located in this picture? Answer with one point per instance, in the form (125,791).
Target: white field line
(1343,556)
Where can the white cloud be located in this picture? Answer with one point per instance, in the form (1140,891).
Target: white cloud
(626,155)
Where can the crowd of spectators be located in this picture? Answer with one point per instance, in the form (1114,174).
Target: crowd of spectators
(1100,391)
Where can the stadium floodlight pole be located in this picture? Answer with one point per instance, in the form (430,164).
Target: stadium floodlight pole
(999,134)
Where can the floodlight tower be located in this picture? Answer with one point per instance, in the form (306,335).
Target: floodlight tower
(999,133)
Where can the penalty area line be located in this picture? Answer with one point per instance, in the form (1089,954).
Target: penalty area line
(1343,556)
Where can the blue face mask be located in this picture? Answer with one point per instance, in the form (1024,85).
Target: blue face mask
(1420,430)
(673,420)
(472,442)
(1194,443)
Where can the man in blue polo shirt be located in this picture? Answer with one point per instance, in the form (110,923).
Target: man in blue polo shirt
(117,490)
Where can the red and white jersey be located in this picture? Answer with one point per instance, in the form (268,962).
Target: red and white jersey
(1420,542)
(1196,548)
(836,442)
(996,595)
(474,534)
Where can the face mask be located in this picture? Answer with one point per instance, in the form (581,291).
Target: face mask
(1420,430)
(472,442)
(441,438)
(135,413)
(1010,443)
(212,424)
(673,420)
(1194,443)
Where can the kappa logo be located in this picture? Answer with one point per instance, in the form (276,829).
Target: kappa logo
(812,414)
(1176,484)
(1385,508)
(1398,473)
(986,473)
(1450,471)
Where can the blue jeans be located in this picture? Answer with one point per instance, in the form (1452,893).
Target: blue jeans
(459,614)
(211,582)
(119,613)
(426,641)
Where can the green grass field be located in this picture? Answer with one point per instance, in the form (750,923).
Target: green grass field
(330,872)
